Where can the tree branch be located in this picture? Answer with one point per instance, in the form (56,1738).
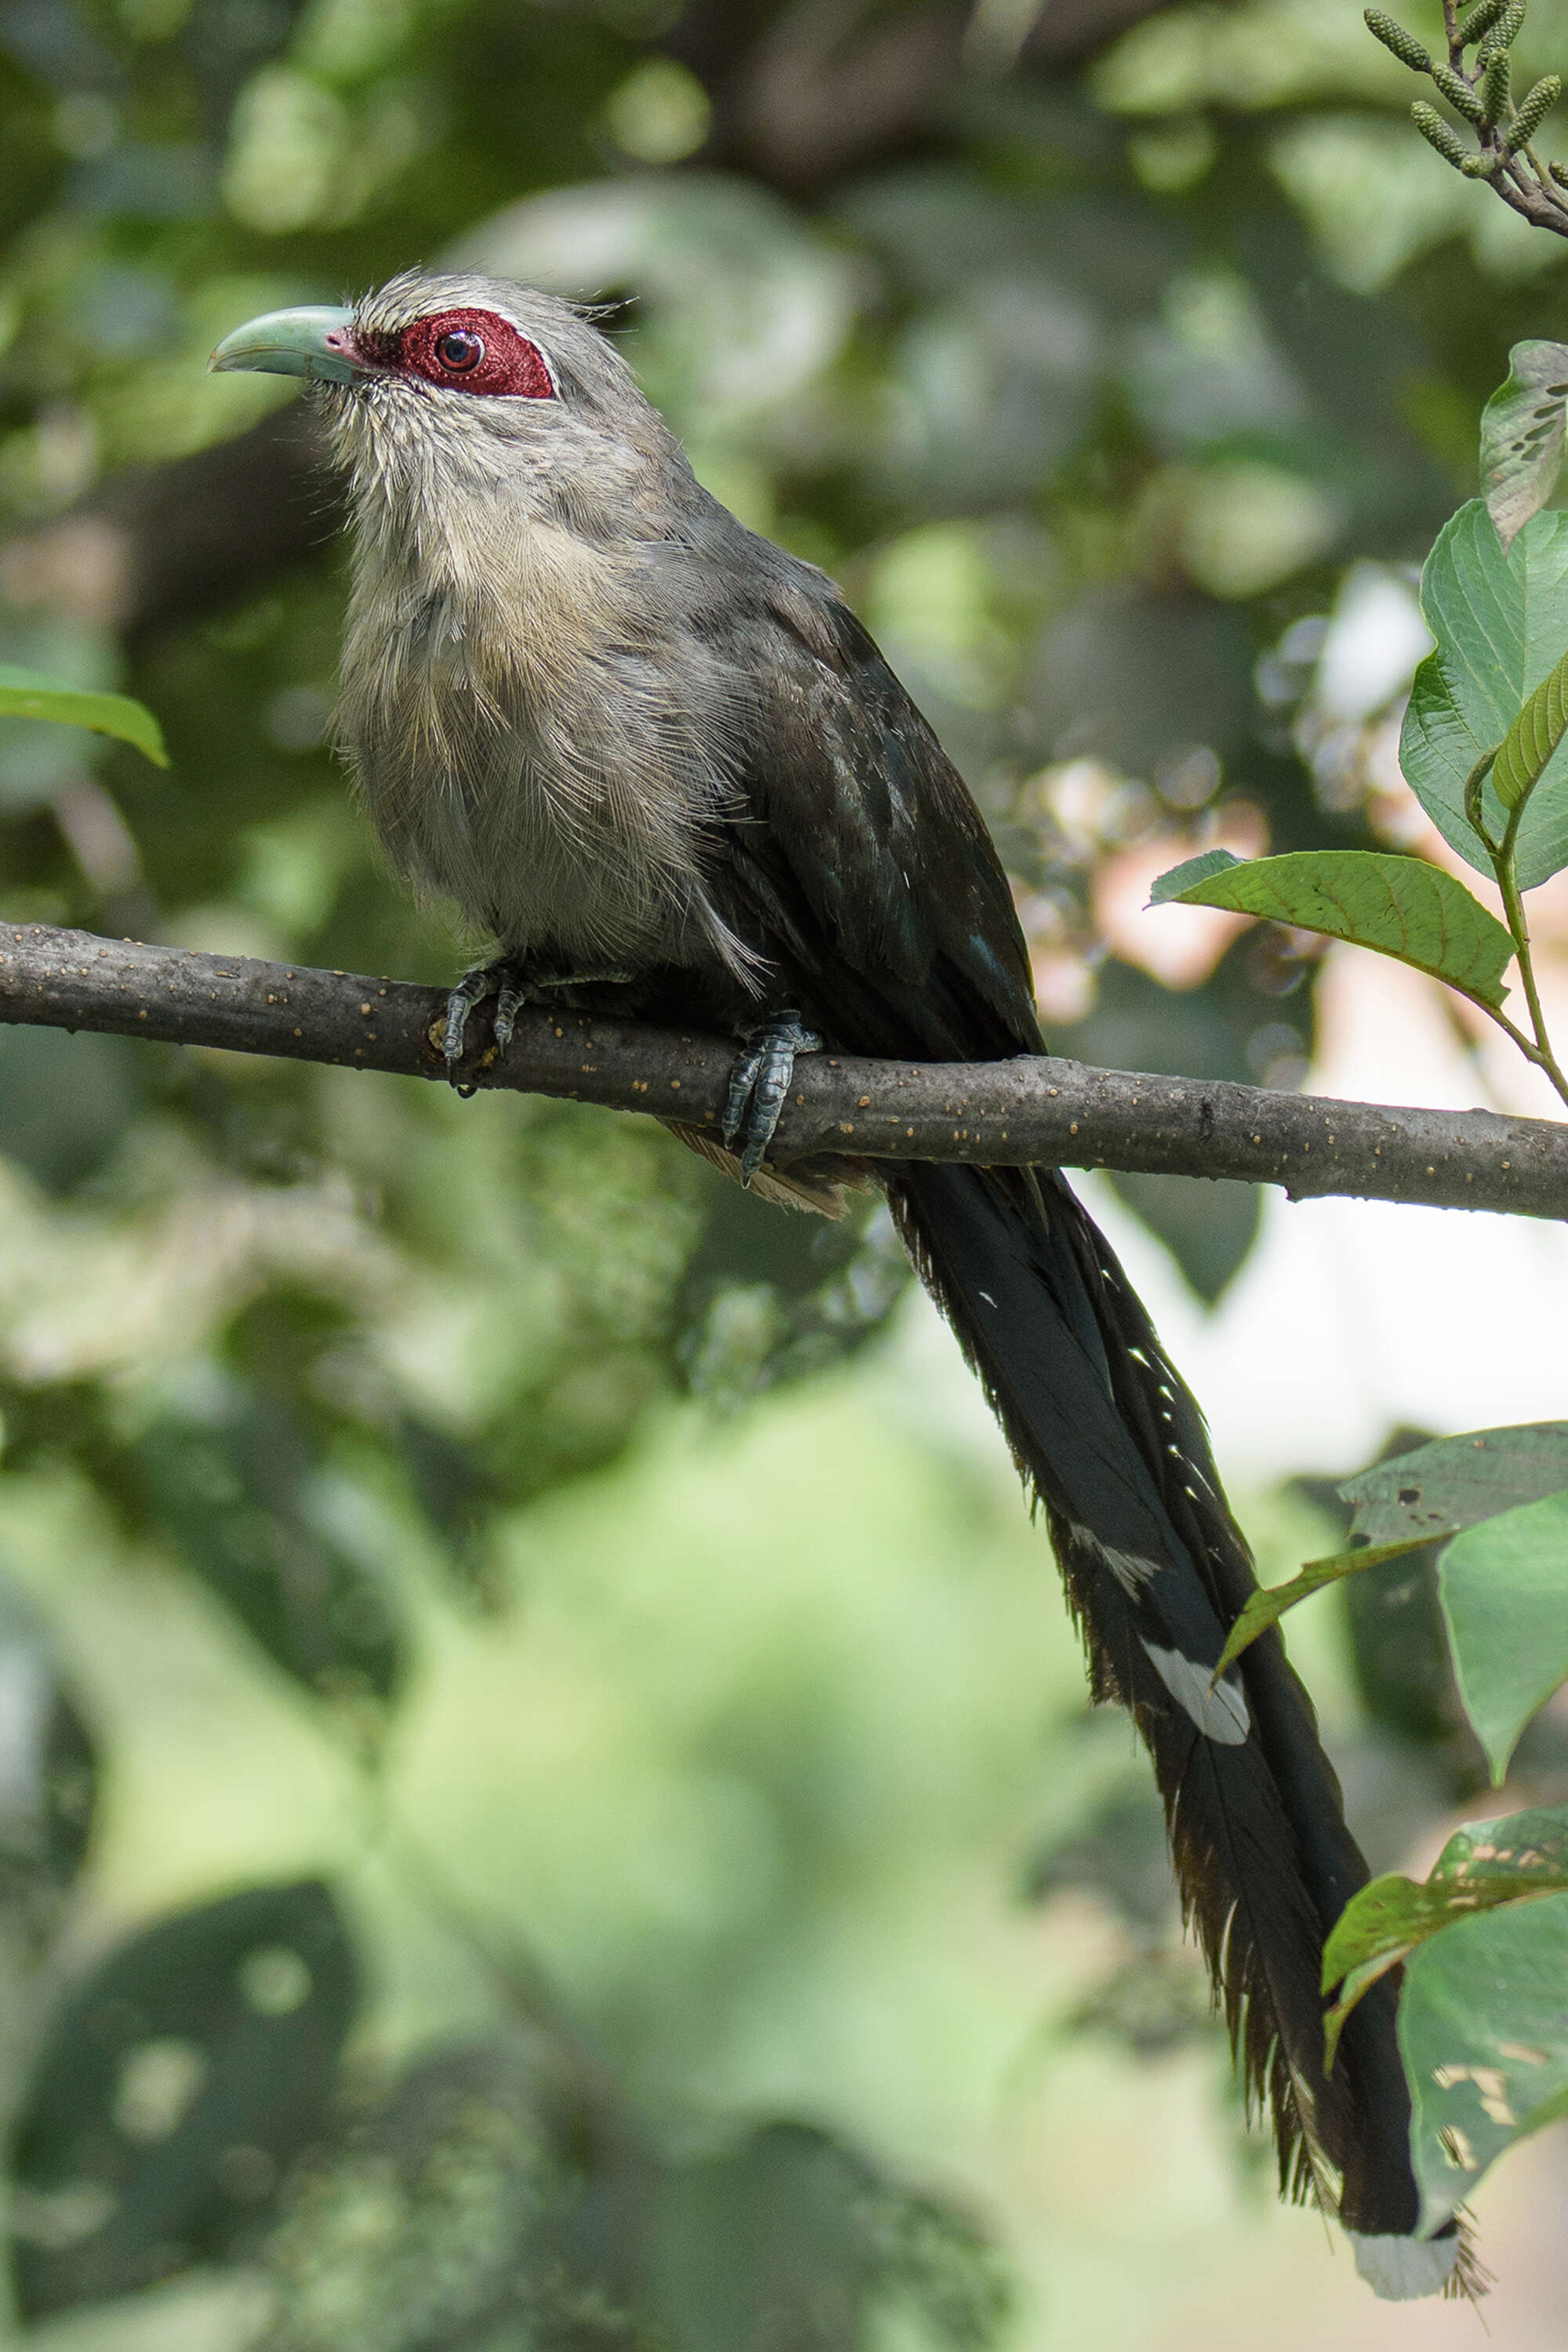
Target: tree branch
(999,1114)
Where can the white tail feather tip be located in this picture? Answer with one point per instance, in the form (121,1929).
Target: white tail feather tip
(1401,2269)
(1220,1709)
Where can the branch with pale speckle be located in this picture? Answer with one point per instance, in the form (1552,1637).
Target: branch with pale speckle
(1030,1111)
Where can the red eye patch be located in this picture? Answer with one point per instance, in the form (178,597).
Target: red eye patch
(475,351)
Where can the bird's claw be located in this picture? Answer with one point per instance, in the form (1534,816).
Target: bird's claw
(501,980)
(513,987)
(759,1083)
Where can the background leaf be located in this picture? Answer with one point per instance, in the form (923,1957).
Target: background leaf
(1522,428)
(1457,1482)
(27,694)
(235,1495)
(1376,898)
(48,1771)
(1500,620)
(176,2086)
(1505,1602)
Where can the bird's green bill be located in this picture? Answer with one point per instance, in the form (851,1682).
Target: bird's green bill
(317,341)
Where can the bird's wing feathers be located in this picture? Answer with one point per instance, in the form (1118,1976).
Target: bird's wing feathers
(858,830)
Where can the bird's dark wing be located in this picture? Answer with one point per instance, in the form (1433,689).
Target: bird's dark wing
(856,858)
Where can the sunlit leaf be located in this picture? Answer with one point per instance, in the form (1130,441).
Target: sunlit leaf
(1505,1601)
(28,694)
(1484,1864)
(1522,435)
(1533,738)
(1376,898)
(1501,621)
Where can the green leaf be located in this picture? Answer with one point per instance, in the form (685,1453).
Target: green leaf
(1504,1585)
(28,694)
(1483,2032)
(1501,621)
(1484,1864)
(1457,1482)
(1533,738)
(1400,906)
(1270,1602)
(1523,427)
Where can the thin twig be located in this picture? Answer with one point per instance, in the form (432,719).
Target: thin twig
(1000,1113)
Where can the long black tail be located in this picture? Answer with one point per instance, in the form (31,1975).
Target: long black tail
(1106,1435)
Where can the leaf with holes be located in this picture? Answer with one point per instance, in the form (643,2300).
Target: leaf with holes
(1375,898)
(176,2085)
(1484,1864)
(1483,2031)
(1499,618)
(1505,1602)
(1522,431)
(1455,1482)
(28,694)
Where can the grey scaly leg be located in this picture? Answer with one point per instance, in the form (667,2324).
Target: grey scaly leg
(759,1083)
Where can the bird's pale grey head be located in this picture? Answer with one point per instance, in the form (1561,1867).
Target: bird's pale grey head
(437,387)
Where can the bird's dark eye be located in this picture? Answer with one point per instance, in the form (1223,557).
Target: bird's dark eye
(459,350)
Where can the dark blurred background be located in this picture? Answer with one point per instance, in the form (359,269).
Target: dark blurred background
(545,1797)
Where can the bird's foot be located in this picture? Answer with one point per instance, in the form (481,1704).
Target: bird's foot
(758,1084)
(512,987)
(503,980)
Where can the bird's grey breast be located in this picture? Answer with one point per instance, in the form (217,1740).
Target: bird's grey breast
(534,740)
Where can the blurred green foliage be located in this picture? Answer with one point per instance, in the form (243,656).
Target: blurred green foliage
(395,1472)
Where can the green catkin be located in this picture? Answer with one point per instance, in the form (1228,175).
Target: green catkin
(1438,133)
(1405,46)
(1495,89)
(1560,173)
(1479,20)
(1533,112)
(1457,92)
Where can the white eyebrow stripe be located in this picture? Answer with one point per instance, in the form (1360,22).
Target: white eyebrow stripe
(1220,1709)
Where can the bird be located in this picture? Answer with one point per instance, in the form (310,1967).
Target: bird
(662,765)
